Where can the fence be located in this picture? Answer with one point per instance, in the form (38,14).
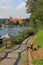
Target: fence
(6,43)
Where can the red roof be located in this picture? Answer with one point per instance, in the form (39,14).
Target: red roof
(20,20)
(15,20)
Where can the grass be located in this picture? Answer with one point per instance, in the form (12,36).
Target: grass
(39,41)
(39,38)
(4,47)
(38,62)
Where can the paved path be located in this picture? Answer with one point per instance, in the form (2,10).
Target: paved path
(12,56)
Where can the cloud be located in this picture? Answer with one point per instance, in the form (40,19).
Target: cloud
(5,7)
(22,5)
(5,1)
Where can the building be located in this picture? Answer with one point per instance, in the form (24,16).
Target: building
(15,20)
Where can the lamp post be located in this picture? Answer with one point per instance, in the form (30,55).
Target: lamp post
(36,25)
(35,22)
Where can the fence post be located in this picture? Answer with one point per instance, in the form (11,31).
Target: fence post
(6,43)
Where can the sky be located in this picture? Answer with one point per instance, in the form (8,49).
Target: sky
(13,8)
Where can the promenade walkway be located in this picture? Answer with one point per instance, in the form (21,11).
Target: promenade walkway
(12,56)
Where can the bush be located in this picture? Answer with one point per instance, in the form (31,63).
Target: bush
(18,40)
(23,35)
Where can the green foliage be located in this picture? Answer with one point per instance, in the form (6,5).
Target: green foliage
(23,35)
(39,39)
(10,24)
(0,24)
(35,7)
(25,22)
(17,22)
(38,62)
(18,40)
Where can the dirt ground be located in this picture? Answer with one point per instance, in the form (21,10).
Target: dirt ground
(35,54)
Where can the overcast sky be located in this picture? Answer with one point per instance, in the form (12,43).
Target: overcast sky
(13,8)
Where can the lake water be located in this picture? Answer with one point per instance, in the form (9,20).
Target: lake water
(10,31)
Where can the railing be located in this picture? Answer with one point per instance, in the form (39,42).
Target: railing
(6,44)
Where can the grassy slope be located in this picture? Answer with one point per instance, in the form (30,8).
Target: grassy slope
(39,38)
(38,62)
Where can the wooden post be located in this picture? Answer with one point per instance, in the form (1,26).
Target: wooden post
(11,42)
(6,43)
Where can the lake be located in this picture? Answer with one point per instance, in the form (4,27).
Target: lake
(11,31)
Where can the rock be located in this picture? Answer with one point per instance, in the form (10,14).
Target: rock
(34,47)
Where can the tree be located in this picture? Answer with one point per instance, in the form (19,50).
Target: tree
(25,22)
(17,22)
(35,7)
(30,5)
(0,24)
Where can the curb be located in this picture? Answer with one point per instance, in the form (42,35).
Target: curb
(29,58)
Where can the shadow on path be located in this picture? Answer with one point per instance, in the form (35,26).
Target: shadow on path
(6,53)
(19,57)
(19,53)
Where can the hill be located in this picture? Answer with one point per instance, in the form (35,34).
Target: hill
(37,56)
(39,38)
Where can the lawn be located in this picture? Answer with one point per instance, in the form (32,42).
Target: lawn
(38,62)
(37,56)
(39,39)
